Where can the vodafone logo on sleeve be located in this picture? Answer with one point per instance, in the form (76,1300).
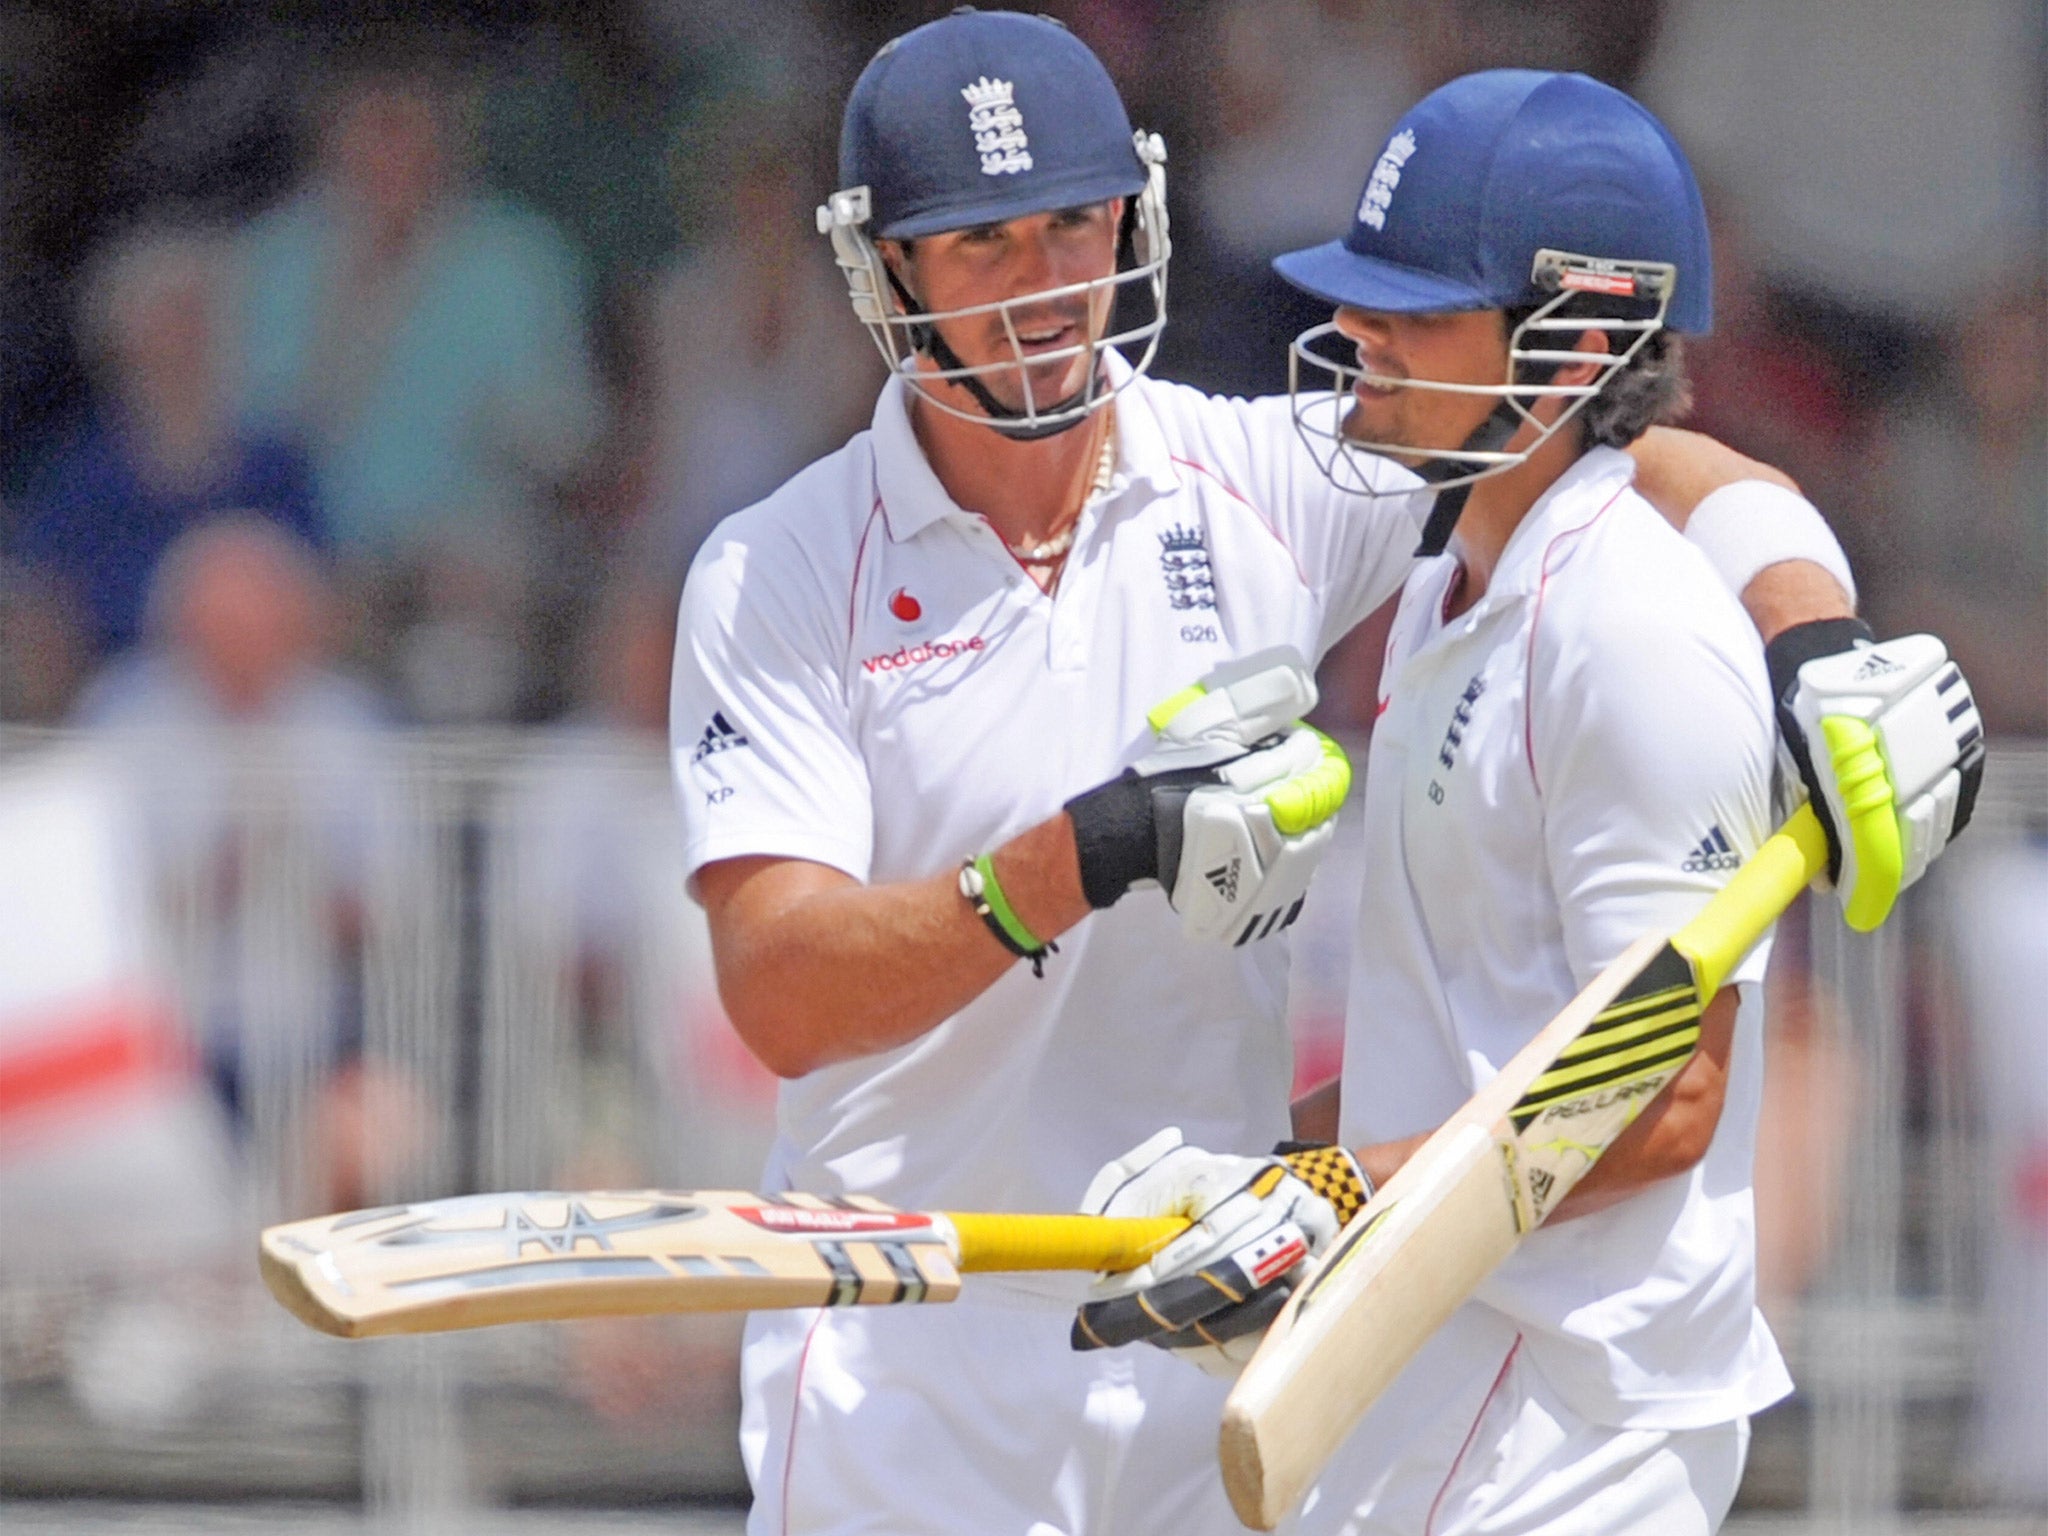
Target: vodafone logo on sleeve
(905,657)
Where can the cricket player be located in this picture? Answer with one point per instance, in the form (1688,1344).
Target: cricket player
(932,724)
(1574,749)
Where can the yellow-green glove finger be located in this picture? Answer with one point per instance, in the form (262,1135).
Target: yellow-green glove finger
(1872,820)
(1309,799)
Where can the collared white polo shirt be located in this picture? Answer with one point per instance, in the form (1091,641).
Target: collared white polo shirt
(866,678)
(1582,757)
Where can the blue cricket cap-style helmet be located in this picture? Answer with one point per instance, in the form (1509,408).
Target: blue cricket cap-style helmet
(1486,171)
(981,117)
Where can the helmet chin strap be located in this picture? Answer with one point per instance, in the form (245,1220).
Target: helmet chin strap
(1490,436)
(1011,423)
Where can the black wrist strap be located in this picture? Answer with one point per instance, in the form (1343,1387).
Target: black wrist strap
(1793,648)
(1114,837)
(1790,650)
(1129,829)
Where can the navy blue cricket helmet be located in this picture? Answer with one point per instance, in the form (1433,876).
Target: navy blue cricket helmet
(979,118)
(1511,189)
(1492,168)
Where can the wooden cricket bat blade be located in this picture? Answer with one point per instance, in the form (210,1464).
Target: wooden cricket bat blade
(1482,1181)
(1394,1275)
(477,1260)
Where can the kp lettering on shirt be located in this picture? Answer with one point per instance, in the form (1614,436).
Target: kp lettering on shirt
(905,657)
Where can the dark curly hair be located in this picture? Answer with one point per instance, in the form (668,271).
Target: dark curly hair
(1651,389)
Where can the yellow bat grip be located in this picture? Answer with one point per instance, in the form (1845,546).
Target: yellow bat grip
(1728,927)
(1060,1242)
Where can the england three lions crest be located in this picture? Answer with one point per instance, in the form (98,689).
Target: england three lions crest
(1184,562)
(997,126)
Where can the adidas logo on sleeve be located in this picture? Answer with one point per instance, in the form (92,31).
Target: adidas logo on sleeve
(1713,853)
(719,736)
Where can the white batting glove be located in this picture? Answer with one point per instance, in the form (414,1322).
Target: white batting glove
(1231,814)
(1208,1295)
(1887,740)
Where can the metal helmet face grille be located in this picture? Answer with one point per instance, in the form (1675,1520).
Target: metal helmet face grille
(901,335)
(1322,370)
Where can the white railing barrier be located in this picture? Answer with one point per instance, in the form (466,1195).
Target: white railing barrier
(418,964)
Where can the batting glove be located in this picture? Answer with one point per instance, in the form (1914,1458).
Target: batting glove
(1208,1295)
(1231,814)
(1889,745)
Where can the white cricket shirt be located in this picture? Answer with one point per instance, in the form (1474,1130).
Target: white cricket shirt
(1582,757)
(866,678)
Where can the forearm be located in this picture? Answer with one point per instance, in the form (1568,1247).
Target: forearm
(1668,1137)
(815,968)
(853,971)
(1676,470)
(1675,1128)
(1383,1159)
(1794,592)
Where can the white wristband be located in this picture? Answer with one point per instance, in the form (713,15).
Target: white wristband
(1744,527)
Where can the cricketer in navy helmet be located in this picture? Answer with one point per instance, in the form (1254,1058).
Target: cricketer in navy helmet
(1575,748)
(897,679)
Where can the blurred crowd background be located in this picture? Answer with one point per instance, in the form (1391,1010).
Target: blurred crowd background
(369,374)
(494,310)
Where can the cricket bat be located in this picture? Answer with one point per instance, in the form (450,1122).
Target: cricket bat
(1486,1178)
(475,1260)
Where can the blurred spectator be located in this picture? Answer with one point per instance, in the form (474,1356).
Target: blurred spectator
(160,453)
(253,770)
(1760,386)
(596,115)
(590,859)
(110,1142)
(1887,156)
(633,1074)
(458,657)
(624,667)
(757,364)
(1965,468)
(1305,91)
(1302,93)
(43,657)
(237,620)
(1607,39)
(425,338)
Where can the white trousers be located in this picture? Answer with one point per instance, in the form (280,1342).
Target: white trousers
(972,1418)
(1473,1441)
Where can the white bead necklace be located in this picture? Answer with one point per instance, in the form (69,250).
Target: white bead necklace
(1056,547)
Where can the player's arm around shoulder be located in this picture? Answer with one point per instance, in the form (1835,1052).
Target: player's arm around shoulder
(1886,740)
(1771,546)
